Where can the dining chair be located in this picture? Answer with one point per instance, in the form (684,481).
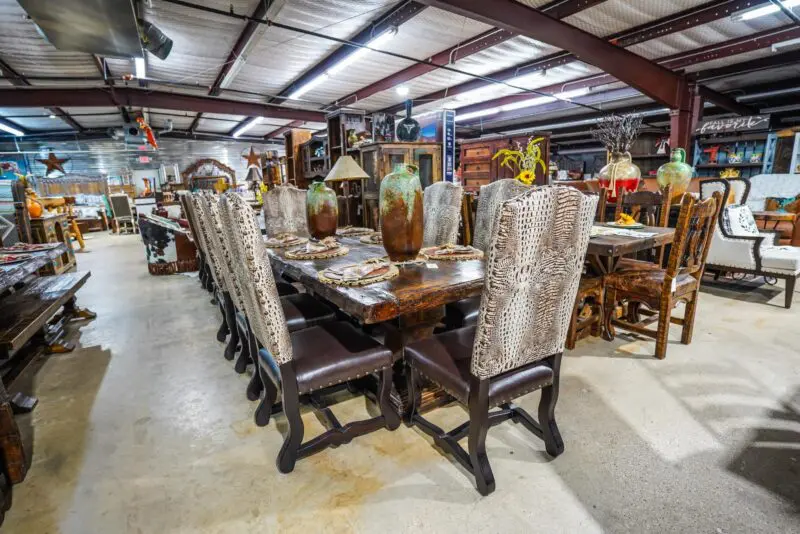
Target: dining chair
(534,264)
(650,208)
(441,213)
(284,211)
(215,264)
(202,268)
(491,197)
(302,364)
(660,290)
(122,211)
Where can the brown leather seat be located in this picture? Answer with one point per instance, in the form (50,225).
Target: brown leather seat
(333,353)
(445,359)
(463,313)
(304,311)
(649,282)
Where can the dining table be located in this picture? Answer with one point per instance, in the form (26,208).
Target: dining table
(410,306)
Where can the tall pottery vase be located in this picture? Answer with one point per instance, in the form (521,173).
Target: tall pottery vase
(322,210)
(401,213)
(677,172)
(620,174)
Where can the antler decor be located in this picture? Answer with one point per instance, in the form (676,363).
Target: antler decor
(617,132)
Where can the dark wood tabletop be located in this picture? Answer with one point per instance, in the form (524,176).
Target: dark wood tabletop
(15,273)
(422,287)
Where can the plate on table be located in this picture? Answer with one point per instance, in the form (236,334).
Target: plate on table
(634,226)
(22,248)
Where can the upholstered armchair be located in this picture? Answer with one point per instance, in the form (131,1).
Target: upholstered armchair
(738,246)
(442,213)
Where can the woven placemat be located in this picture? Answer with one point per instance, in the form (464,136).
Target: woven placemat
(392,272)
(274,243)
(324,254)
(353,231)
(430,252)
(374,239)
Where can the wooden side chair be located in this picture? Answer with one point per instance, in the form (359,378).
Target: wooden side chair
(650,208)
(304,363)
(284,211)
(532,273)
(123,212)
(442,213)
(661,289)
(492,196)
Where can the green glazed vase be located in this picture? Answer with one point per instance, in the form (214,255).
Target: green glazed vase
(677,172)
(322,210)
(401,213)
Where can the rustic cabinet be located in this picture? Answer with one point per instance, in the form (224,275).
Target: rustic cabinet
(380,159)
(478,168)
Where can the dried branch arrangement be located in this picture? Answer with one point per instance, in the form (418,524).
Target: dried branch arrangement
(617,132)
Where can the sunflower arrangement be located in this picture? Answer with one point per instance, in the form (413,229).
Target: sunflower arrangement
(523,160)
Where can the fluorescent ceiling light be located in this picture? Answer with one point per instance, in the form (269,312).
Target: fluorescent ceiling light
(11,130)
(402,90)
(537,101)
(247,126)
(785,44)
(763,11)
(140,67)
(347,60)
(52,116)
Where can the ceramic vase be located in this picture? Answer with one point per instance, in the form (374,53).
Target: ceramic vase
(322,210)
(401,213)
(677,172)
(620,174)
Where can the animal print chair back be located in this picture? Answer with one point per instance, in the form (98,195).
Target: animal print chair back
(285,211)
(490,199)
(219,242)
(204,224)
(442,213)
(534,265)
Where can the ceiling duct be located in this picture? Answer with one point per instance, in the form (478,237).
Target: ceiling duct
(103,27)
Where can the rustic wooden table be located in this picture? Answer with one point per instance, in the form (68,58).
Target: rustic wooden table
(14,273)
(605,251)
(411,305)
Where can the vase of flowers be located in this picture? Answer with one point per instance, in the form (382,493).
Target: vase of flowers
(524,161)
(617,133)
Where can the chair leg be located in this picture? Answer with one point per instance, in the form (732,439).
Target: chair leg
(412,382)
(790,283)
(288,454)
(688,319)
(264,410)
(597,328)
(609,333)
(478,428)
(230,326)
(390,416)
(572,332)
(553,443)
(664,319)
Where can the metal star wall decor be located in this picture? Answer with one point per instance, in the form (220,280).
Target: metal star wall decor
(53,163)
(253,159)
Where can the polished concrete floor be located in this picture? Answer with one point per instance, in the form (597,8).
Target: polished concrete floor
(146,429)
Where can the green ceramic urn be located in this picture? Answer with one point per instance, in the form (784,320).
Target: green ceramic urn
(322,210)
(677,172)
(401,213)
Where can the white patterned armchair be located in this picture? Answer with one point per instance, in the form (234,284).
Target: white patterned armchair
(738,246)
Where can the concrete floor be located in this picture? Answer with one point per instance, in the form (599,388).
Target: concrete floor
(146,429)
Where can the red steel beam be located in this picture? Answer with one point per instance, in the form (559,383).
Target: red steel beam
(129,96)
(19,80)
(660,84)
(708,12)
(558,10)
(283,129)
(729,48)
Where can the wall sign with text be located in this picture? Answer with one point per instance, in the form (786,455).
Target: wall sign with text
(733,124)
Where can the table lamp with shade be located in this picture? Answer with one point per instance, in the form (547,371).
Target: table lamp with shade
(344,170)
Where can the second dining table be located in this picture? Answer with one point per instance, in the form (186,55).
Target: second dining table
(412,304)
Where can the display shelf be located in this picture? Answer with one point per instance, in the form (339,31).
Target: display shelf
(733,139)
(726,165)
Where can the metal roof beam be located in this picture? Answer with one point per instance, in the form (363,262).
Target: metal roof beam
(557,9)
(690,18)
(283,129)
(129,96)
(18,80)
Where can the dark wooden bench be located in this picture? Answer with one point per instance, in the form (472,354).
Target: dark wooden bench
(26,312)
